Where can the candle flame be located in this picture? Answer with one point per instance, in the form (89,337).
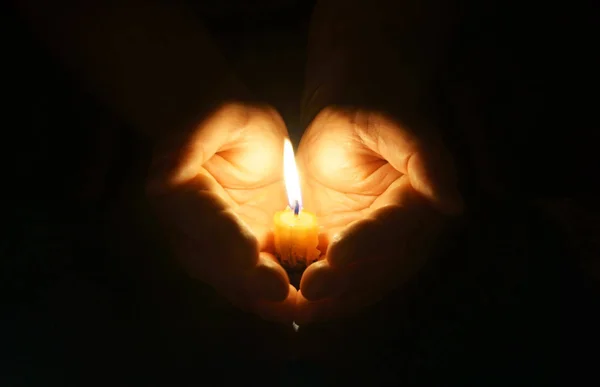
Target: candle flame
(291,176)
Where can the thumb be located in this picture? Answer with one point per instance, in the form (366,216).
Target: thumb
(179,159)
(423,158)
(432,174)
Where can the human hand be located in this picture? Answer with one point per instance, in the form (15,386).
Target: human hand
(381,192)
(216,190)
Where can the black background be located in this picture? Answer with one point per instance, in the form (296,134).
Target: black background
(89,297)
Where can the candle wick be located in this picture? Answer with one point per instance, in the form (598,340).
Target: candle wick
(296,207)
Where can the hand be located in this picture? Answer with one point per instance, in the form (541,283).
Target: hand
(380,192)
(217,190)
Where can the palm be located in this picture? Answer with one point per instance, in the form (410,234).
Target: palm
(371,184)
(223,186)
(236,161)
(255,206)
(344,179)
(345,193)
(249,178)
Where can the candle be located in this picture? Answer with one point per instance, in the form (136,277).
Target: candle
(296,232)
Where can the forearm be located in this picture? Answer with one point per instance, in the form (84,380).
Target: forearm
(149,61)
(376,53)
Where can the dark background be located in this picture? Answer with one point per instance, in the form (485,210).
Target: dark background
(89,295)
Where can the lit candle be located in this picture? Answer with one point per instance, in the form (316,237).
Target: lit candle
(296,232)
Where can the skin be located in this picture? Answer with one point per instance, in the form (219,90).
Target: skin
(216,190)
(382,195)
(217,186)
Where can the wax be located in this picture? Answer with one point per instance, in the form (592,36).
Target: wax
(296,237)
(296,231)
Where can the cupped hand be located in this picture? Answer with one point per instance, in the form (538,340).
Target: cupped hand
(216,189)
(381,192)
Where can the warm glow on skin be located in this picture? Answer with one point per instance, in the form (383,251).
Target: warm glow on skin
(369,180)
(217,190)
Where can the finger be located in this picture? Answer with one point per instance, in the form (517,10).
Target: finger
(384,233)
(375,278)
(312,311)
(224,244)
(282,311)
(258,213)
(265,284)
(323,242)
(423,158)
(327,293)
(332,308)
(267,280)
(320,281)
(179,158)
(363,285)
(356,241)
(433,175)
(371,260)
(254,155)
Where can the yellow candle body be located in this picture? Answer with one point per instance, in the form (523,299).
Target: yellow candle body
(296,238)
